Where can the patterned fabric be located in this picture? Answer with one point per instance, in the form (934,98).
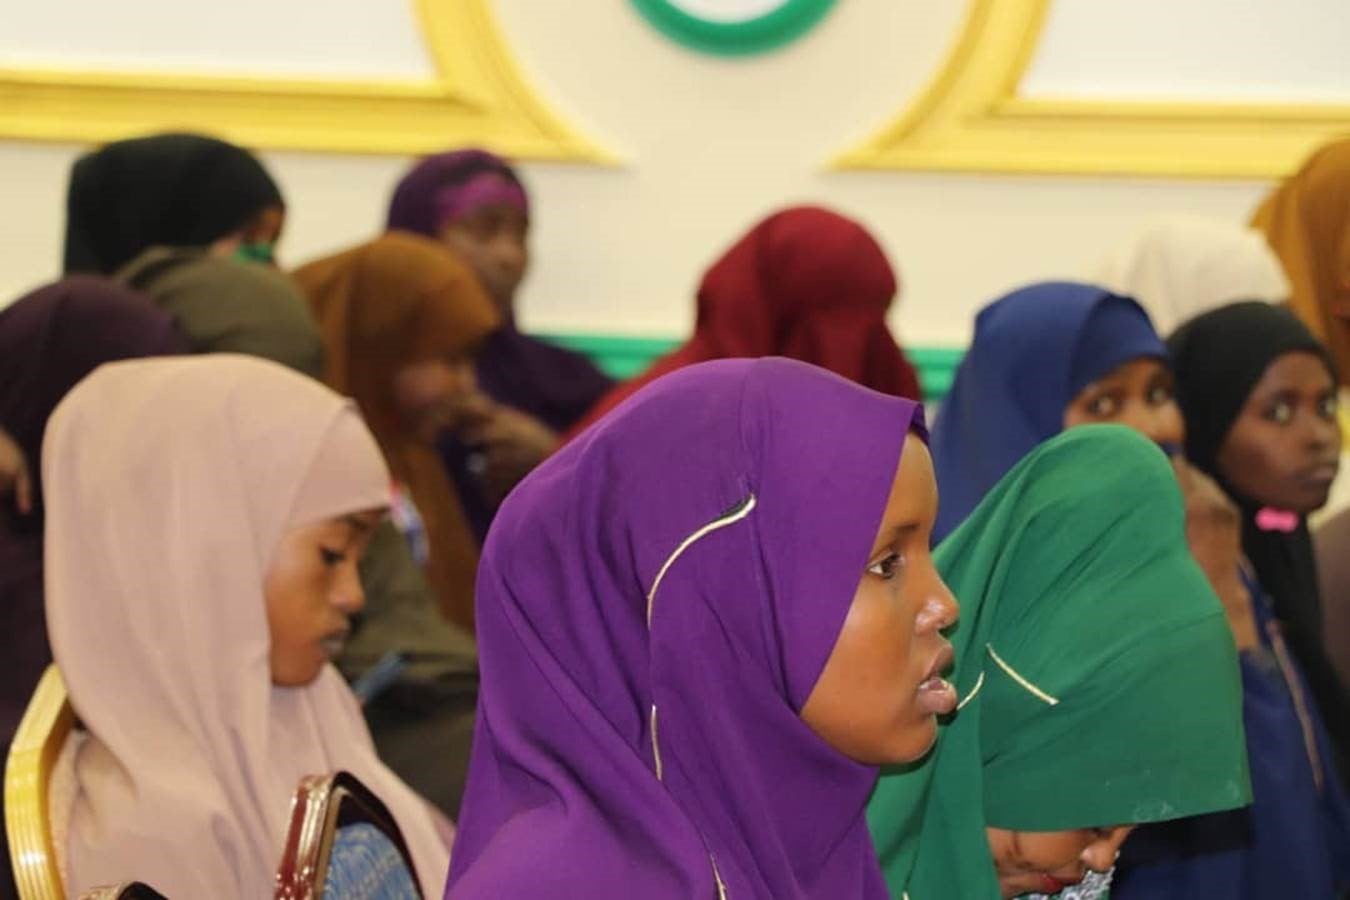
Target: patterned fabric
(1094,886)
(366,865)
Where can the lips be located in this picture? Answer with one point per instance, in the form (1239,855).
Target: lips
(332,644)
(1052,885)
(1324,473)
(936,695)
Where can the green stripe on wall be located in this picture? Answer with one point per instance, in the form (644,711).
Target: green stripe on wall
(624,357)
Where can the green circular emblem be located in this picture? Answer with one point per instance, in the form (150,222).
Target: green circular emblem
(733,27)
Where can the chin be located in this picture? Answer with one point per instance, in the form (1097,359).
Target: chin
(913,743)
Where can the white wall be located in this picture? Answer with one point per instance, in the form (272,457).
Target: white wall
(709,146)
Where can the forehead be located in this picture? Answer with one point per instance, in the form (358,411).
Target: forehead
(1300,370)
(1134,370)
(914,487)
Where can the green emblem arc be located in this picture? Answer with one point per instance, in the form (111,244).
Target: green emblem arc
(733,27)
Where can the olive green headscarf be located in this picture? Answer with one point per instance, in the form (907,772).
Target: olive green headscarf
(1098,677)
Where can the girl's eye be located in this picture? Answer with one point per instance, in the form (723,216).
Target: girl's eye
(1281,412)
(887,567)
(1327,407)
(1160,396)
(331,557)
(1103,406)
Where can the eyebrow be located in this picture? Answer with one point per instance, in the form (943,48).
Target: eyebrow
(895,532)
(359,525)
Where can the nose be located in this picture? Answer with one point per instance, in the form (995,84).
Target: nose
(348,595)
(940,609)
(1101,854)
(509,252)
(1322,434)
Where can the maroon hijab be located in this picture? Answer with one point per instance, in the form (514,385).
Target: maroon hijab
(805,283)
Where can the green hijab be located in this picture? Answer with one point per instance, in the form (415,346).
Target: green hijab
(1098,677)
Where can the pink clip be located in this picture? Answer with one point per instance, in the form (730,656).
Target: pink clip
(1271,519)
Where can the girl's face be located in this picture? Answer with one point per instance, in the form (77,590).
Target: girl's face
(881,691)
(492,240)
(1046,862)
(1139,393)
(312,590)
(1284,447)
(431,395)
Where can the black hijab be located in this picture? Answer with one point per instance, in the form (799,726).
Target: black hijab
(180,190)
(1218,358)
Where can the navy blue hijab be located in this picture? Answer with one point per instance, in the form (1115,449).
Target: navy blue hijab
(1033,351)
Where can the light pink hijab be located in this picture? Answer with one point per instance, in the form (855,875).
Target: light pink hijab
(170,483)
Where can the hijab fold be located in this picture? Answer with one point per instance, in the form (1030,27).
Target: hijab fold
(171,481)
(382,305)
(655,604)
(806,283)
(1098,678)
(179,190)
(1034,350)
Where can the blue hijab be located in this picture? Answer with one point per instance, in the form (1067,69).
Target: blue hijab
(1034,350)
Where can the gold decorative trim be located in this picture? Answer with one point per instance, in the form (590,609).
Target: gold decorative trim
(971,119)
(478,96)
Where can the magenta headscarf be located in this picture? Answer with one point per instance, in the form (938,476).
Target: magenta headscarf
(655,604)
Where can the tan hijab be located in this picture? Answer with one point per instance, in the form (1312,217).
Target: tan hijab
(1307,222)
(396,300)
(169,485)
(1178,267)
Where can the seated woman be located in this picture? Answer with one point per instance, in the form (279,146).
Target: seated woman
(169,190)
(1260,404)
(401,320)
(475,204)
(703,625)
(205,517)
(805,283)
(49,340)
(1098,679)
(1044,358)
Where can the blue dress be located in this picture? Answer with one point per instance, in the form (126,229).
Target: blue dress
(1294,840)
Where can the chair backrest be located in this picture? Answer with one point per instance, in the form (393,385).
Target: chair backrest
(45,726)
(344,843)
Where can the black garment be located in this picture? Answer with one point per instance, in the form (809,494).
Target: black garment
(1218,358)
(179,190)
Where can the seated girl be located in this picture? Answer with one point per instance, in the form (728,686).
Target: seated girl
(205,517)
(702,627)
(1098,681)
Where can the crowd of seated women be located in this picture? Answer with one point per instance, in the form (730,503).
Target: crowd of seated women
(753,624)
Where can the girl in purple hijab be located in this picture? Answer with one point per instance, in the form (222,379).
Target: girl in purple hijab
(474,203)
(703,625)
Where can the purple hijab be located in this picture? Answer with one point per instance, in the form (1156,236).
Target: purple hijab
(49,340)
(655,604)
(550,383)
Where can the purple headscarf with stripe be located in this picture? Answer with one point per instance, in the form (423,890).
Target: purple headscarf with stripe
(655,604)
(550,383)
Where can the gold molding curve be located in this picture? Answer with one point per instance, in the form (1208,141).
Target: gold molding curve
(971,119)
(478,96)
